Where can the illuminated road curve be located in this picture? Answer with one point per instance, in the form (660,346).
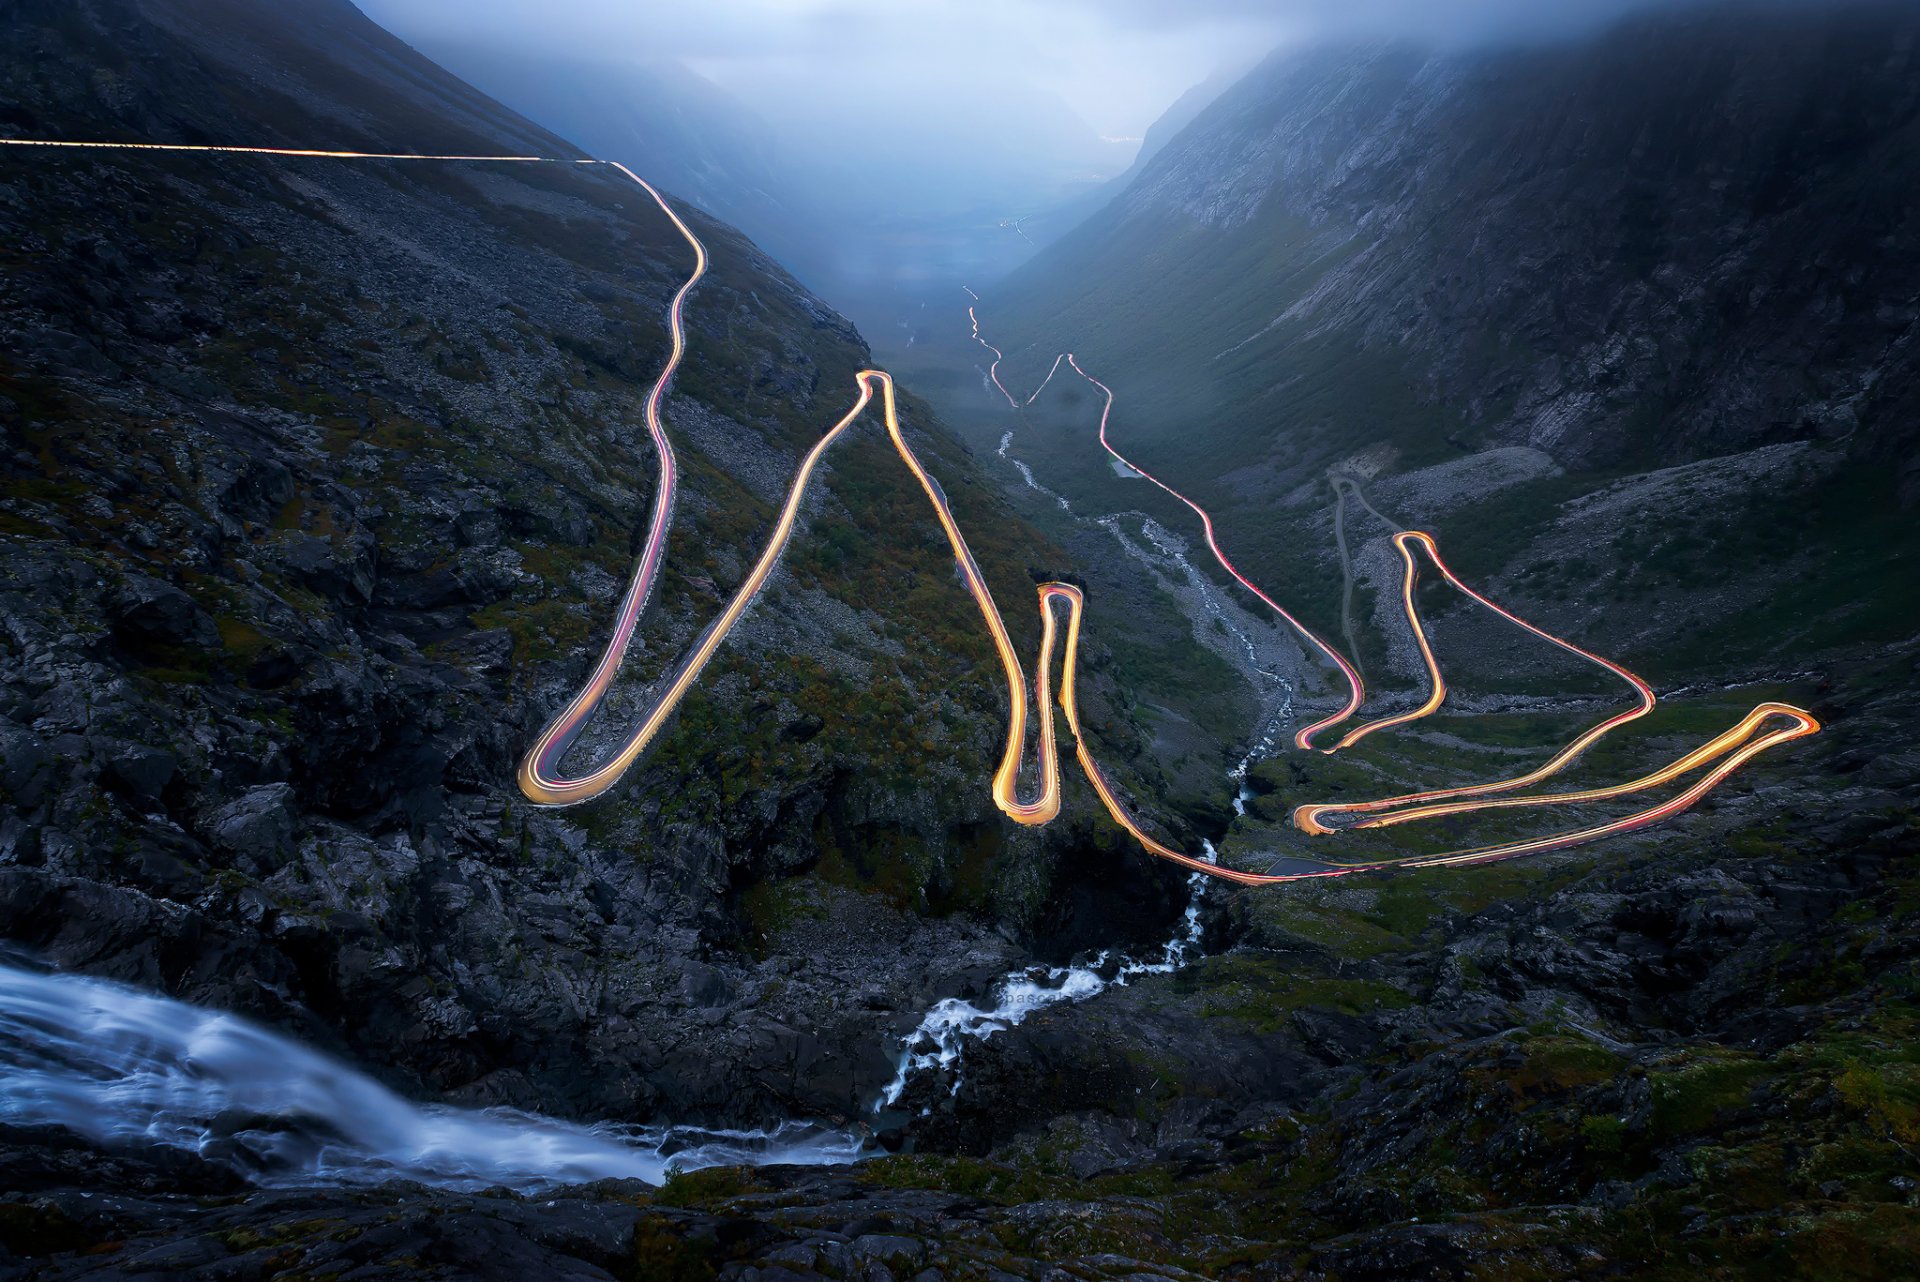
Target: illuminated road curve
(993,370)
(539,776)
(1315,818)
(1737,745)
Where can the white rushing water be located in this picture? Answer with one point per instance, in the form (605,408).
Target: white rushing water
(1026,473)
(1263,744)
(121,1066)
(1278,710)
(941,1037)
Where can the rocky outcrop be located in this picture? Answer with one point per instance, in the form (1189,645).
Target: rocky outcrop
(320,484)
(316,485)
(1682,239)
(1691,1055)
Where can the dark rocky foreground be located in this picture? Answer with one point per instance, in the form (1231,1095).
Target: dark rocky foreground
(317,484)
(1690,1058)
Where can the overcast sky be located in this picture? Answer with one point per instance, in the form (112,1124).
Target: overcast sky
(1117,63)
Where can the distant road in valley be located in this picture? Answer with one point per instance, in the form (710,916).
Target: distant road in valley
(542,780)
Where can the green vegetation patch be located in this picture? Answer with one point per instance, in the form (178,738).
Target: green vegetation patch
(1262,990)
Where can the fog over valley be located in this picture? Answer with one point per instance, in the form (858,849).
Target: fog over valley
(888,153)
(959,640)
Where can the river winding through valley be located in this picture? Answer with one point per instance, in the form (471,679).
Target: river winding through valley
(940,1039)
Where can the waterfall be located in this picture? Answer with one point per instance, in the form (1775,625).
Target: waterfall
(940,1038)
(121,1067)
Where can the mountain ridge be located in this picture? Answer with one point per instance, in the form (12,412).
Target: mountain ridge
(1365,156)
(319,479)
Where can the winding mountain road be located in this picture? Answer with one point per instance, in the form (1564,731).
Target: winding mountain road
(541,780)
(1737,745)
(1342,486)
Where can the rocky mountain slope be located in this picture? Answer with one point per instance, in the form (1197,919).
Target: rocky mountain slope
(682,131)
(1636,314)
(1637,249)
(1628,325)
(321,482)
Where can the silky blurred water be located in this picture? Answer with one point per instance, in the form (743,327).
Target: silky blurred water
(121,1066)
(940,1039)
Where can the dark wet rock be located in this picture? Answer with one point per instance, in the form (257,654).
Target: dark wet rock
(256,827)
(26,767)
(141,771)
(318,564)
(147,609)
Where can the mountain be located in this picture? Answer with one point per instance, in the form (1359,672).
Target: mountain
(1408,210)
(687,134)
(319,482)
(866,216)
(1628,323)
(1689,240)
(1171,122)
(1049,223)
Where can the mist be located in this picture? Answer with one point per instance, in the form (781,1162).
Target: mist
(880,149)
(1115,65)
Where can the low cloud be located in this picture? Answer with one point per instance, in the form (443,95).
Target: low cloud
(1116,63)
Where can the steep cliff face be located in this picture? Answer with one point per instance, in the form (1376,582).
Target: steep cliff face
(317,482)
(1690,237)
(1674,265)
(321,485)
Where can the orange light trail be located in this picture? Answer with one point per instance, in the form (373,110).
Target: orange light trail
(993,370)
(291,151)
(1356,689)
(1803,725)
(1043,382)
(541,782)
(1308,817)
(1738,741)
(539,776)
